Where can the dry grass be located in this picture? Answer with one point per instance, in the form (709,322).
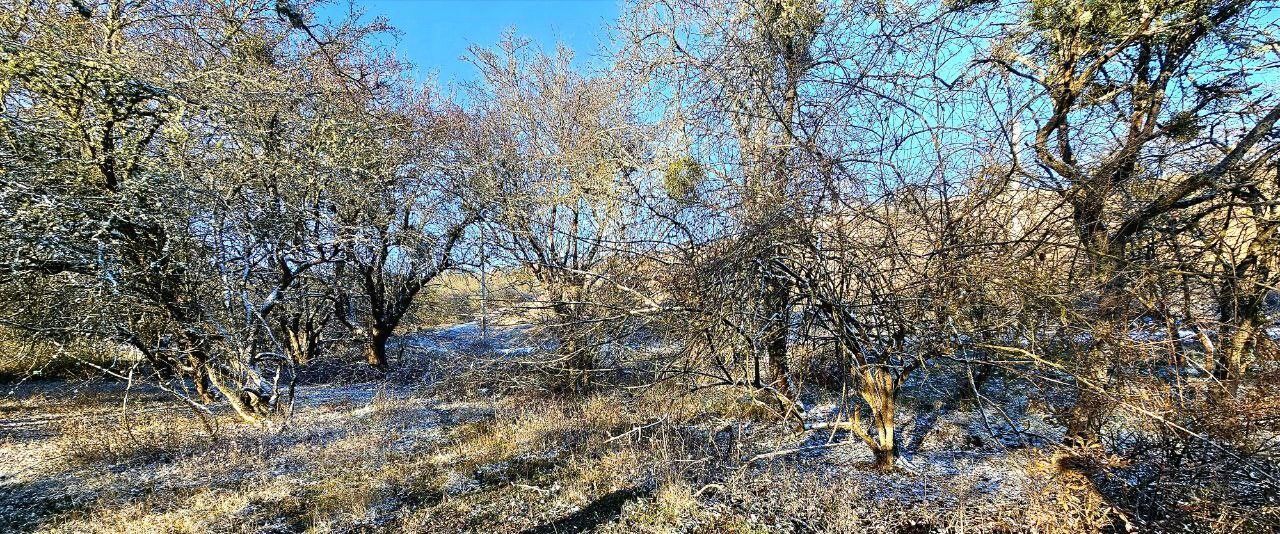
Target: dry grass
(453,298)
(371,458)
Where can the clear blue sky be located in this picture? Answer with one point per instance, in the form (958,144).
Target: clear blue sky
(436,33)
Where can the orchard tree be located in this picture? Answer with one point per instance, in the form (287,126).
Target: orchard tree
(167,186)
(558,155)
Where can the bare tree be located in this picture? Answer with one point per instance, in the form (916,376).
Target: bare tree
(403,216)
(557,151)
(1141,111)
(166,190)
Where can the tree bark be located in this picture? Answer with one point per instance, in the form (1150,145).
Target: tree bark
(775,337)
(203,385)
(581,363)
(880,391)
(883,458)
(1107,320)
(1241,307)
(1239,340)
(976,381)
(247,411)
(375,348)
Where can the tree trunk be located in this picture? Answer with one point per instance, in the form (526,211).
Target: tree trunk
(375,348)
(975,381)
(302,337)
(202,385)
(880,391)
(1239,340)
(581,364)
(1241,309)
(198,372)
(575,347)
(883,458)
(1108,322)
(1085,420)
(776,329)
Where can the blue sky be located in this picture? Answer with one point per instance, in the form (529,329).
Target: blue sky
(436,33)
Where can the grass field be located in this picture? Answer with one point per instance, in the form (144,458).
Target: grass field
(411,454)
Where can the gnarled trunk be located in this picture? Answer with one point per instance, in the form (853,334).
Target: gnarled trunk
(375,347)
(246,403)
(879,390)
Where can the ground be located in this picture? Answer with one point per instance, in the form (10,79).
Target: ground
(440,453)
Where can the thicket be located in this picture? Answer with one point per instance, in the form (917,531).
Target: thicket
(791,198)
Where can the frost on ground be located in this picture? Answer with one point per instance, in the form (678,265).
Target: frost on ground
(450,455)
(474,338)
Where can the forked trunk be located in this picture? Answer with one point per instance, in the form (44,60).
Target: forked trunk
(244,405)
(302,338)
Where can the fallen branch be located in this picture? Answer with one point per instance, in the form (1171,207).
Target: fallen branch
(634,430)
(827,425)
(533,488)
(786,452)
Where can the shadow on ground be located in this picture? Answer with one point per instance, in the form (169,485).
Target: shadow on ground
(27,506)
(597,513)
